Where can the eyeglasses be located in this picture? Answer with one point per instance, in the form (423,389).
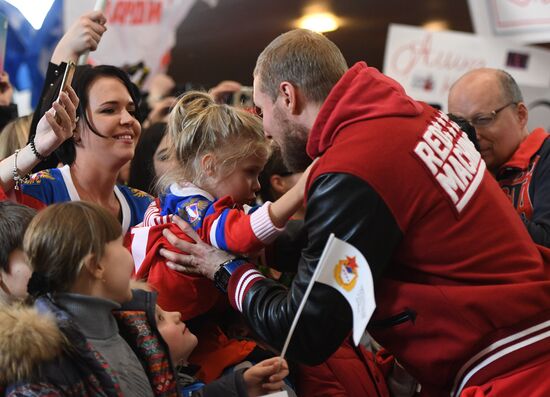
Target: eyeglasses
(484,120)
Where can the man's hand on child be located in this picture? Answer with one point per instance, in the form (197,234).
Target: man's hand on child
(201,258)
(266,376)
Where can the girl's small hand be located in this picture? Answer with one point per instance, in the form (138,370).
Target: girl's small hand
(266,376)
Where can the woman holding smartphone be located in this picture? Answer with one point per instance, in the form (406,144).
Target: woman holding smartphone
(93,135)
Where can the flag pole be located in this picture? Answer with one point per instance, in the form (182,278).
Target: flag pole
(306,294)
(99,6)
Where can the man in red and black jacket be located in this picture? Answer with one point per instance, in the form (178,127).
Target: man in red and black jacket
(461,290)
(491,102)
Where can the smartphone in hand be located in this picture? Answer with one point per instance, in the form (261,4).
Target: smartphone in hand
(67,77)
(66,81)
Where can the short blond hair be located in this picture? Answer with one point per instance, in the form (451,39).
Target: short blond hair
(197,125)
(62,236)
(305,59)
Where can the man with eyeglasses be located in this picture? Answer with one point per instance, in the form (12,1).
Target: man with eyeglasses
(491,102)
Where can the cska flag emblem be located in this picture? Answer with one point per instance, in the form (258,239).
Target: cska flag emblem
(346,273)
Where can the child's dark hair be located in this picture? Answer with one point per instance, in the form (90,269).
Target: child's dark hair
(14,219)
(275,166)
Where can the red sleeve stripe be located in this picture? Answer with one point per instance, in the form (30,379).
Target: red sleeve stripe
(240,283)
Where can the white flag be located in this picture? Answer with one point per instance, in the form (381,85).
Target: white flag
(343,267)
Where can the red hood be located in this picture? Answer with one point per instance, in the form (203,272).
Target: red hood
(363,93)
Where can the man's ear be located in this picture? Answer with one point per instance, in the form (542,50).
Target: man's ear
(291,98)
(523,114)
(208,164)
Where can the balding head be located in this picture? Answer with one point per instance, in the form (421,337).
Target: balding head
(509,89)
(491,101)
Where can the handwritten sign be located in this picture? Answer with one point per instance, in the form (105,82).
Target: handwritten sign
(427,63)
(526,21)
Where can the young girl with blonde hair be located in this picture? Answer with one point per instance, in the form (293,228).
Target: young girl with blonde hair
(220,151)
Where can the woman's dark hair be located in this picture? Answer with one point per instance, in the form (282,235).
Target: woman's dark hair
(142,171)
(83,78)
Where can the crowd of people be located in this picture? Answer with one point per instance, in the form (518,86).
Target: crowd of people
(160,244)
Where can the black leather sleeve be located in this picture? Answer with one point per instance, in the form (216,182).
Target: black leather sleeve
(284,253)
(351,209)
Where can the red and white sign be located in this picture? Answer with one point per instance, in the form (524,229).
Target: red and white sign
(427,63)
(526,21)
(137,30)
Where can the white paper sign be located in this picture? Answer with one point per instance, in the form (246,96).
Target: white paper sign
(526,21)
(427,63)
(137,30)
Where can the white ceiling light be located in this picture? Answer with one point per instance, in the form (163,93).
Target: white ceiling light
(34,11)
(319,22)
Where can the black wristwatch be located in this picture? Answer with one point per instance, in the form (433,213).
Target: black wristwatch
(226,269)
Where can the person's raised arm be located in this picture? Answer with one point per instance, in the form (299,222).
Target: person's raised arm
(83,35)
(56,126)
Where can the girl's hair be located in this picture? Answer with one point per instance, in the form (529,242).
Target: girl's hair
(60,238)
(197,125)
(83,78)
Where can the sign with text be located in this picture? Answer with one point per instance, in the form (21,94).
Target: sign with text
(140,33)
(526,21)
(427,63)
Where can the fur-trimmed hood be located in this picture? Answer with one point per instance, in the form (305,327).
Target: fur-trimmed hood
(27,339)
